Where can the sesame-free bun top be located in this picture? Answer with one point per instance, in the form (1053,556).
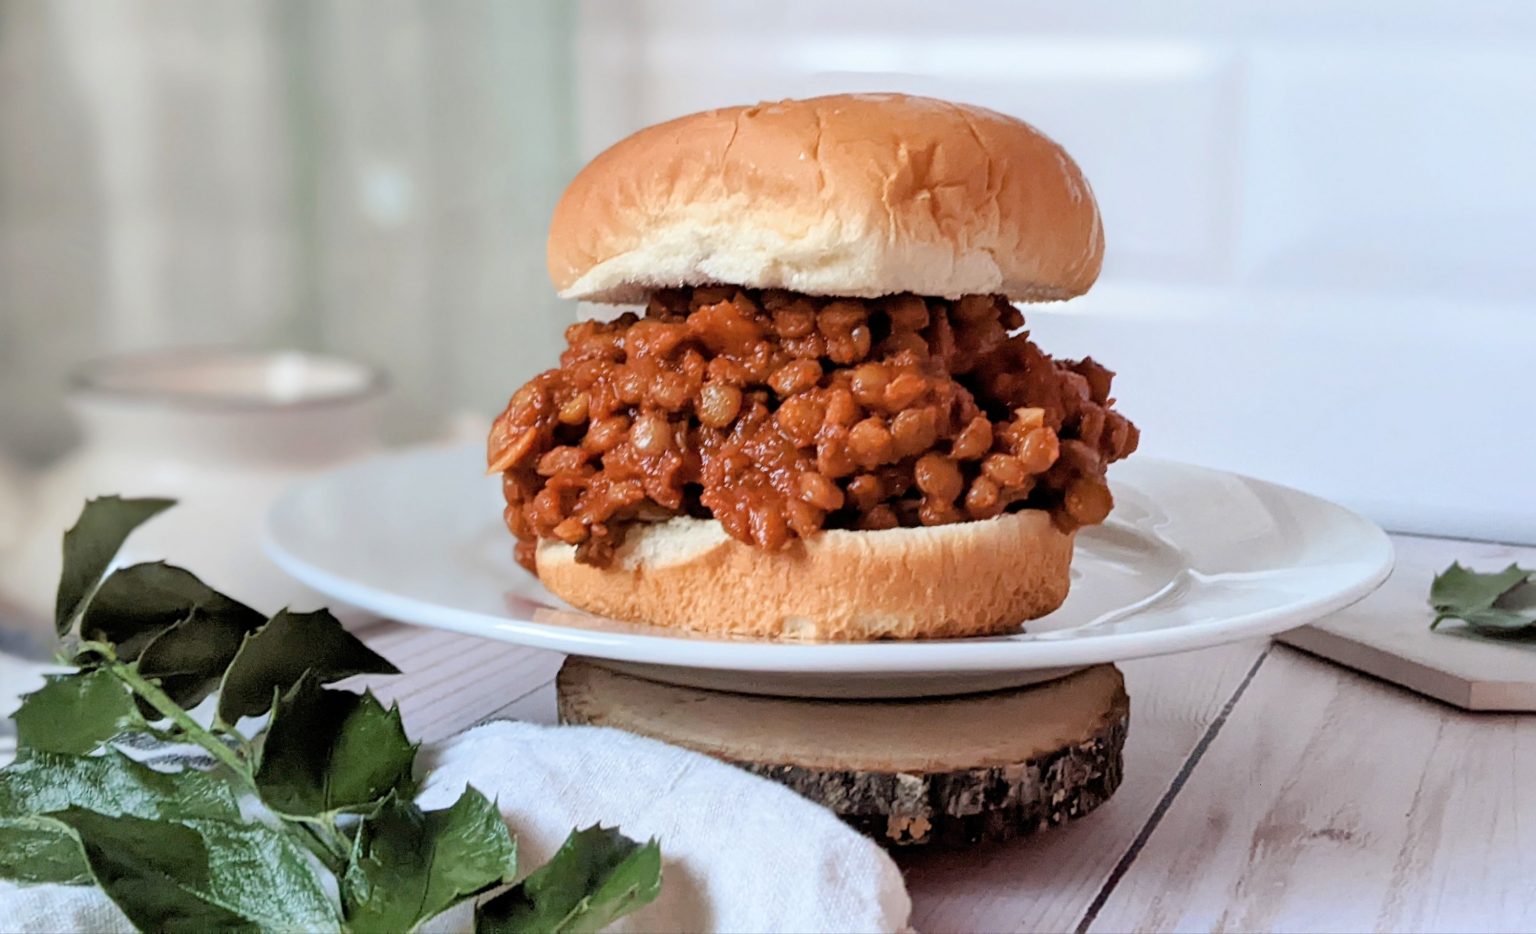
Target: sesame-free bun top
(854,194)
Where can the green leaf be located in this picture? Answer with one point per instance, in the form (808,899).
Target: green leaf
(76,713)
(92,543)
(34,848)
(411,865)
(266,877)
(113,784)
(328,751)
(201,875)
(1464,589)
(156,871)
(190,658)
(1496,618)
(276,656)
(1523,639)
(1502,602)
(1521,597)
(138,604)
(598,876)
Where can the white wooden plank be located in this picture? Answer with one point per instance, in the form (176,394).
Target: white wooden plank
(1333,802)
(1046,882)
(410,648)
(1387,634)
(499,691)
(537,706)
(449,682)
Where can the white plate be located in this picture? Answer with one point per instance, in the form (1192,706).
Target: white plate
(1191,557)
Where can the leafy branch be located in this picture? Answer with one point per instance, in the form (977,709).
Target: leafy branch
(330,774)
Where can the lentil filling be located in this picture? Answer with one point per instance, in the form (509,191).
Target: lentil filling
(782,414)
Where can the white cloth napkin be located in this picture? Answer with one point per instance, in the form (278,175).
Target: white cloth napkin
(740,853)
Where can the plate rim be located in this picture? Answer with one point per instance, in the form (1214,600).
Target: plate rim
(916,658)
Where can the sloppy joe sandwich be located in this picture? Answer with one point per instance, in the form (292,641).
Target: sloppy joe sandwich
(827,422)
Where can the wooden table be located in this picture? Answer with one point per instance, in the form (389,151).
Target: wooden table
(1265,790)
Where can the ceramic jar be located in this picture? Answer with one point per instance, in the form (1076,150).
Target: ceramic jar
(221,431)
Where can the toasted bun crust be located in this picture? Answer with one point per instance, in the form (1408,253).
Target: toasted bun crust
(967,579)
(854,194)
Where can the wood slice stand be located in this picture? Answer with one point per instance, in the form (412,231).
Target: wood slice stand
(948,771)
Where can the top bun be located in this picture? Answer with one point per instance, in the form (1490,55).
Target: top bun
(860,195)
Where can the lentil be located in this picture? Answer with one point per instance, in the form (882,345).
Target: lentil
(781,414)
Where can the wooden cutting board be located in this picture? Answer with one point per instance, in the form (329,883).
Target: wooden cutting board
(1387,634)
(955,770)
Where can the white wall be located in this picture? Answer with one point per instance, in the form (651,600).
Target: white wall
(1321,217)
(368,177)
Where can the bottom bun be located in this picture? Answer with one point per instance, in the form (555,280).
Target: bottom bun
(966,579)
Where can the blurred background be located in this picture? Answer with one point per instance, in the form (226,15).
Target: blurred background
(1320,215)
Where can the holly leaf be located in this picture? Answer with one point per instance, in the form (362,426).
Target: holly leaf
(1496,603)
(1520,598)
(1499,619)
(34,848)
(598,876)
(75,713)
(112,784)
(1464,589)
(273,659)
(332,751)
(136,605)
(189,659)
(37,850)
(201,875)
(91,544)
(410,865)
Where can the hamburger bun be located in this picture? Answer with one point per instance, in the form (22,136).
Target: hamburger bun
(857,195)
(947,581)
